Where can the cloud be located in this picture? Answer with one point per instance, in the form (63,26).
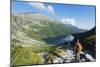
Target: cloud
(68,21)
(50,9)
(41,7)
(38,6)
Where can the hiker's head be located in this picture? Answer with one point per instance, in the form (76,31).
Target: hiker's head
(77,40)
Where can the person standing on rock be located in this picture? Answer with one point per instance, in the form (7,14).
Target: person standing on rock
(78,48)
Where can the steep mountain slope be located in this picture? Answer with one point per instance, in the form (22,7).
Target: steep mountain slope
(74,29)
(32,28)
(86,34)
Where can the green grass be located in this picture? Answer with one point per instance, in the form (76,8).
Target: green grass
(28,55)
(90,38)
(24,56)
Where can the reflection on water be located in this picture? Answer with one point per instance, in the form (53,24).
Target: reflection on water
(59,39)
(69,38)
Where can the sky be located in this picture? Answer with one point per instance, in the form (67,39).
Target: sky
(81,16)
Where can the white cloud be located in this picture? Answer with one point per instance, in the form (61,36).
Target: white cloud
(50,9)
(68,21)
(38,6)
(41,7)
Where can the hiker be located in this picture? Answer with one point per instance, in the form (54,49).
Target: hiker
(78,48)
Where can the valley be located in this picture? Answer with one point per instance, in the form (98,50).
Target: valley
(39,39)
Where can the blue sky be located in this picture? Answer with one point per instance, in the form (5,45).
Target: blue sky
(77,15)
